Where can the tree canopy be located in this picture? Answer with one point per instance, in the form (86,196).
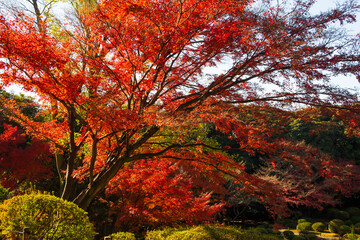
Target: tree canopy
(129,81)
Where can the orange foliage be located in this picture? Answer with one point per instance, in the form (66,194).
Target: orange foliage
(129,81)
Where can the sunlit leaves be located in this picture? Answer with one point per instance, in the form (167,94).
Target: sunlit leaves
(128,81)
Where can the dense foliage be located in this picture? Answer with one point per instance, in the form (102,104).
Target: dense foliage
(123,236)
(4,194)
(134,115)
(122,75)
(47,217)
(22,158)
(154,194)
(210,232)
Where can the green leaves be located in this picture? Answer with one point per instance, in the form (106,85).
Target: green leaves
(47,216)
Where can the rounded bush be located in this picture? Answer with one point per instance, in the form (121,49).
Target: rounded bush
(344,229)
(332,212)
(303,220)
(288,235)
(4,194)
(210,232)
(348,222)
(334,225)
(343,215)
(123,236)
(304,226)
(353,211)
(47,216)
(318,226)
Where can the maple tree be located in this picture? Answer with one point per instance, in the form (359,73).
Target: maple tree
(128,81)
(310,173)
(154,194)
(21,160)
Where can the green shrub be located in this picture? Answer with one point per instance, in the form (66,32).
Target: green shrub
(123,236)
(353,211)
(4,194)
(355,219)
(47,216)
(351,236)
(303,220)
(261,230)
(336,213)
(344,229)
(343,215)
(288,235)
(304,226)
(162,234)
(318,226)
(332,213)
(334,225)
(348,222)
(210,232)
(288,223)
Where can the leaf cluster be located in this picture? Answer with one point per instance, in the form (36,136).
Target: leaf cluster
(47,216)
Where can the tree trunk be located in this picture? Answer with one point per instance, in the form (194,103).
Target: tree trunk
(99,182)
(85,197)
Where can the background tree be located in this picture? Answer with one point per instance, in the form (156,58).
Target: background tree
(22,159)
(126,73)
(153,194)
(327,130)
(314,157)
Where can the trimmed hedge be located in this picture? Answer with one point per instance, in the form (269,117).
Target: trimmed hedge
(210,232)
(344,229)
(304,226)
(47,216)
(123,236)
(332,212)
(302,220)
(343,215)
(318,226)
(334,225)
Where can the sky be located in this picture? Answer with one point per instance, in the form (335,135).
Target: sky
(321,5)
(343,81)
